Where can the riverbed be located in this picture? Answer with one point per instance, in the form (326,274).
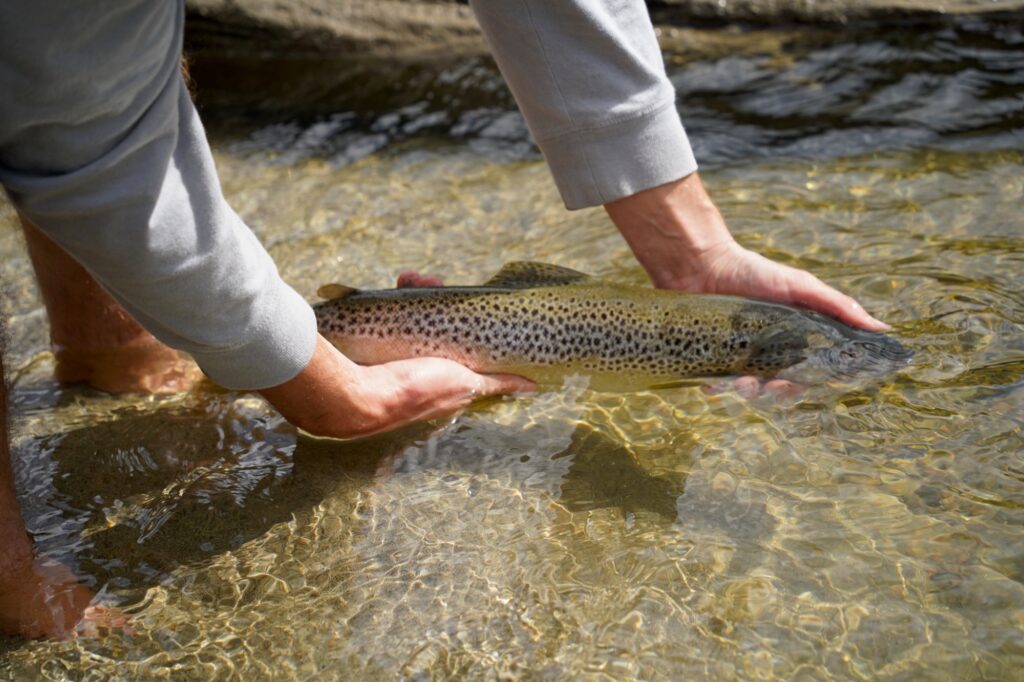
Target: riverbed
(846,533)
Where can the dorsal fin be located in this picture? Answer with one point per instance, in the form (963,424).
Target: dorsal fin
(527,275)
(333,291)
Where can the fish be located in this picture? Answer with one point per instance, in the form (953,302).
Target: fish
(548,322)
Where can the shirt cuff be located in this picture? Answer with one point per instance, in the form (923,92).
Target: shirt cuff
(599,165)
(279,344)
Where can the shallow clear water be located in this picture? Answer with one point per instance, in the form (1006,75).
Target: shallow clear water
(871,533)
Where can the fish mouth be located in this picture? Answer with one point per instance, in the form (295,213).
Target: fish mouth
(871,357)
(850,361)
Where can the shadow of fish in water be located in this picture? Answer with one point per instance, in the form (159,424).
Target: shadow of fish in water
(605,474)
(545,322)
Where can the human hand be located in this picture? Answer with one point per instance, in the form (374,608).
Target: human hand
(681,239)
(728,268)
(337,398)
(41,598)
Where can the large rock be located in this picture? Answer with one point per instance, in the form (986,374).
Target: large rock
(316,56)
(422,29)
(364,28)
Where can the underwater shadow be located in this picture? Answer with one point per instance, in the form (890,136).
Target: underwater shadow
(134,498)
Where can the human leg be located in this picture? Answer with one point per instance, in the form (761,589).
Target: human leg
(95,341)
(37,599)
(16,546)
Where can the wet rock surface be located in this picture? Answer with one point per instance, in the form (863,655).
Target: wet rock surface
(851,534)
(253,58)
(828,11)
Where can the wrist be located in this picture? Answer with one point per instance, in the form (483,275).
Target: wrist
(672,229)
(332,396)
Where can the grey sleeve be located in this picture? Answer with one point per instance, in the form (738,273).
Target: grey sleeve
(589,77)
(101,147)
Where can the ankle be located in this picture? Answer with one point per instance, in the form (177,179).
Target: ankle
(17,546)
(142,366)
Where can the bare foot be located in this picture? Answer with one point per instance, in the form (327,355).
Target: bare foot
(95,340)
(43,599)
(141,366)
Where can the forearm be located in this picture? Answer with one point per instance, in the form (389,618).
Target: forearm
(110,160)
(589,78)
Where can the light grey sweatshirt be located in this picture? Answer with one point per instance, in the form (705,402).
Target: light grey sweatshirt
(101,148)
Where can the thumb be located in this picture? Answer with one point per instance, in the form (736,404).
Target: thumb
(809,291)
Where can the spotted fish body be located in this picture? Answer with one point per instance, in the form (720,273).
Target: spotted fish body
(545,322)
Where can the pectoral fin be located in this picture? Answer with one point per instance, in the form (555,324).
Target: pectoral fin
(334,291)
(527,275)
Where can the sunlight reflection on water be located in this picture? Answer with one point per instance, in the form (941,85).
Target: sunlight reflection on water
(867,533)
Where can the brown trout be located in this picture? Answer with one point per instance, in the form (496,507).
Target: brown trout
(546,322)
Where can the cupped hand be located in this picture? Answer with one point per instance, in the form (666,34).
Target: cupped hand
(419,389)
(334,397)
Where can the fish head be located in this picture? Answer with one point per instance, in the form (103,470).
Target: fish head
(834,352)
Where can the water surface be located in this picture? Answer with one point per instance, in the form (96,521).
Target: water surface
(870,533)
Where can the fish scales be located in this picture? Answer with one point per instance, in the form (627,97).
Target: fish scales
(547,323)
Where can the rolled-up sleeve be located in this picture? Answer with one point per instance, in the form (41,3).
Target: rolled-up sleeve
(590,80)
(101,147)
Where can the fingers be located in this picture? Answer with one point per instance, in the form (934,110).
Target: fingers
(451,386)
(735,270)
(421,389)
(781,388)
(412,279)
(502,384)
(749,387)
(809,291)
